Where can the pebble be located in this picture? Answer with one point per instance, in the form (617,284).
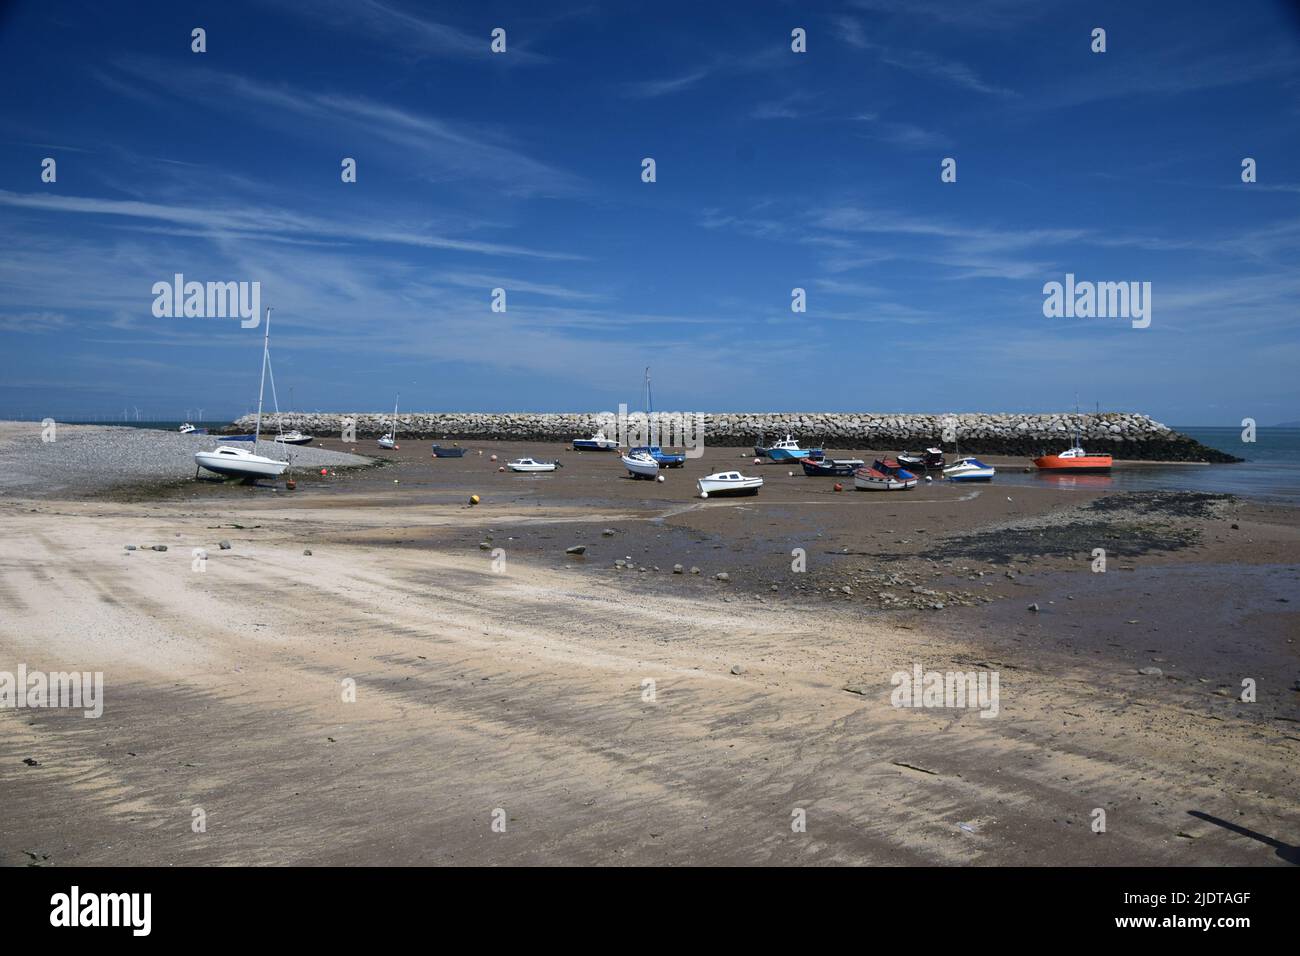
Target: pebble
(677,569)
(737,668)
(160,547)
(576,549)
(1151,672)
(695,570)
(224,545)
(720,576)
(306,552)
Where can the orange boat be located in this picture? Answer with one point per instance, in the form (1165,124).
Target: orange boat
(1074,461)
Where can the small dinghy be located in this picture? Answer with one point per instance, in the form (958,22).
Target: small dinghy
(294,437)
(969,469)
(831,467)
(531,465)
(884,475)
(787,449)
(441,451)
(724,483)
(597,442)
(929,460)
(641,464)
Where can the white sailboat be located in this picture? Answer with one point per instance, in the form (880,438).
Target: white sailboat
(641,465)
(390,440)
(239,462)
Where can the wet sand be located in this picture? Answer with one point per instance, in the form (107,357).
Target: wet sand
(524,688)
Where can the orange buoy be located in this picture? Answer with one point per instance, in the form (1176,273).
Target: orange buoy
(838,486)
(324,471)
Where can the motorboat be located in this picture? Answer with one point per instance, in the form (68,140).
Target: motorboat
(969,469)
(929,460)
(442,451)
(728,483)
(240,462)
(243,462)
(831,467)
(787,449)
(294,437)
(597,442)
(531,465)
(641,464)
(663,458)
(1074,461)
(188,429)
(884,475)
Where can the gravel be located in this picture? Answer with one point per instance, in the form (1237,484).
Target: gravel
(90,458)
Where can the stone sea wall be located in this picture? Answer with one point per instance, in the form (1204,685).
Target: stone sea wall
(1122,434)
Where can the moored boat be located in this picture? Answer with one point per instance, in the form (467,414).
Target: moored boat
(830,467)
(531,465)
(1074,461)
(969,469)
(294,437)
(885,474)
(787,449)
(724,483)
(188,429)
(442,451)
(597,442)
(243,462)
(640,464)
(664,459)
(389,438)
(929,460)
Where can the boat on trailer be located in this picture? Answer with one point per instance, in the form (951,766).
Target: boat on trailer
(724,483)
(641,464)
(831,467)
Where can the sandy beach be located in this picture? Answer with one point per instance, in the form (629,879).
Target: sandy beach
(610,710)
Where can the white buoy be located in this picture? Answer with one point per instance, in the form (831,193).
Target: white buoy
(704,494)
(659,478)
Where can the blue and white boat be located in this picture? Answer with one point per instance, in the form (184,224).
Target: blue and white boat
(640,464)
(663,458)
(597,442)
(787,449)
(969,469)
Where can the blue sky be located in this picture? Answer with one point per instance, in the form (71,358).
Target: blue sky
(775,170)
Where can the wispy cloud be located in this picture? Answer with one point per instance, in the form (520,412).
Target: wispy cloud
(432,145)
(239,223)
(905,135)
(920,62)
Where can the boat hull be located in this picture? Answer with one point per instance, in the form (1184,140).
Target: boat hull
(831,468)
(301,440)
(591,444)
(793,454)
(869,479)
(969,469)
(440,452)
(1080,465)
(639,468)
(241,464)
(728,485)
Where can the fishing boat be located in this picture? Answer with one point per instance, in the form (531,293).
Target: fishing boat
(663,458)
(831,467)
(531,465)
(929,460)
(641,464)
(597,442)
(442,451)
(969,469)
(188,429)
(294,437)
(885,474)
(241,462)
(725,483)
(787,449)
(389,439)
(1074,461)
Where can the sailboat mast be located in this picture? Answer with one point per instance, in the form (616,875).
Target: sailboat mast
(397,399)
(261,385)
